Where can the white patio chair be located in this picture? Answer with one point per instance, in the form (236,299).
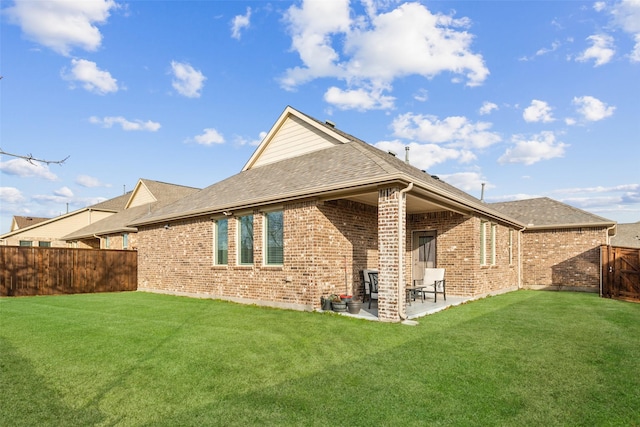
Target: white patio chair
(433,282)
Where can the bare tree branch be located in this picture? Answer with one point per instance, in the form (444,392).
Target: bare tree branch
(29,158)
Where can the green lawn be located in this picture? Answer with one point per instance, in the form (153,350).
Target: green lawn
(139,359)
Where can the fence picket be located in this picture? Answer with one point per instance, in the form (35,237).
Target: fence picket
(46,271)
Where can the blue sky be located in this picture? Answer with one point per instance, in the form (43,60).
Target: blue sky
(533,98)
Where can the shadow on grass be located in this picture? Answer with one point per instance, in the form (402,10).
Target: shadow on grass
(492,368)
(28,401)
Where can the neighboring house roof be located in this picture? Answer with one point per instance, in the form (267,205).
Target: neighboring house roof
(69,221)
(20,222)
(627,235)
(544,212)
(334,164)
(147,197)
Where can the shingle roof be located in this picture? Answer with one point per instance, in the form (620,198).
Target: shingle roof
(28,221)
(165,194)
(546,212)
(627,235)
(339,168)
(115,204)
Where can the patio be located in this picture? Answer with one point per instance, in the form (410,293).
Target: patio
(414,310)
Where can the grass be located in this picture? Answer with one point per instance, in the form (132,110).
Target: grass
(139,359)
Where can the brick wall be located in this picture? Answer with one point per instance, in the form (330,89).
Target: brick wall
(326,244)
(564,258)
(458,252)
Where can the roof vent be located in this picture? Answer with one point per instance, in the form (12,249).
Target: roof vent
(435,177)
(392,153)
(330,123)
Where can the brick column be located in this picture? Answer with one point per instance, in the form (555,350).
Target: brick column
(390,232)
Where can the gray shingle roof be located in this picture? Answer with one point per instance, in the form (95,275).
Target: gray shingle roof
(627,235)
(546,212)
(28,221)
(165,194)
(115,204)
(338,168)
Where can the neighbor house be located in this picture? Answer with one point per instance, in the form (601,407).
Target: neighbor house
(314,206)
(114,232)
(627,235)
(49,232)
(560,244)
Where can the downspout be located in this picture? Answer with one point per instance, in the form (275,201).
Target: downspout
(608,243)
(402,218)
(520,257)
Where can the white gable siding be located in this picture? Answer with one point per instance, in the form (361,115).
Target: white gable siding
(141,196)
(293,139)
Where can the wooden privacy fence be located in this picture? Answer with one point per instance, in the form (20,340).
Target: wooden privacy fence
(48,271)
(620,272)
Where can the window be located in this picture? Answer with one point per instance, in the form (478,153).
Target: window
(483,243)
(274,237)
(494,229)
(510,247)
(106,242)
(26,243)
(221,243)
(125,240)
(44,244)
(245,235)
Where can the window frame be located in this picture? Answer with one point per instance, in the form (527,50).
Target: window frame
(483,242)
(267,254)
(242,251)
(494,233)
(216,240)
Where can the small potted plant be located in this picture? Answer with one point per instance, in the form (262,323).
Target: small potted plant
(345,297)
(326,303)
(337,303)
(354,306)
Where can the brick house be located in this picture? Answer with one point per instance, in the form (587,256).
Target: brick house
(560,244)
(114,232)
(311,208)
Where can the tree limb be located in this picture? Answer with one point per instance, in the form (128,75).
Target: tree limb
(29,158)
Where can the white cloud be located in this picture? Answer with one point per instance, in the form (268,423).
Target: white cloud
(424,156)
(358,99)
(62,25)
(542,146)
(239,23)
(592,109)
(538,111)
(11,195)
(91,77)
(64,192)
(378,48)
(570,121)
(90,182)
(601,189)
(487,108)
(626,15)
(599,6)
(453,131)
(187,80)
(208,136)
(470,182)
(421,95)
(23,168)
(108,122)
(601,50)
(239,140)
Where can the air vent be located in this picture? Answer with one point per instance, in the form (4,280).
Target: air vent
(435,177)
(330,123)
